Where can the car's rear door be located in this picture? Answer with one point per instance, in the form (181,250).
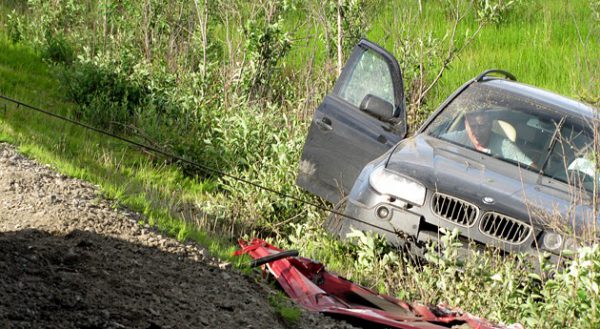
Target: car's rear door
(342,138)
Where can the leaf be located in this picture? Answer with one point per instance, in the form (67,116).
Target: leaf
(535,276)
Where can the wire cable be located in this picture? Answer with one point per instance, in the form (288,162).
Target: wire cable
(205,168)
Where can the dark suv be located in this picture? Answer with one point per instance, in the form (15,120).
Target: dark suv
(503,162)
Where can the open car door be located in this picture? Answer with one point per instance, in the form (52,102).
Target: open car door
(363,117)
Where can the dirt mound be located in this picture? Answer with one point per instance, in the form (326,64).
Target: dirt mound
(70,259)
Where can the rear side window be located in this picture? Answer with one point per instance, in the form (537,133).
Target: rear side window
(369,74)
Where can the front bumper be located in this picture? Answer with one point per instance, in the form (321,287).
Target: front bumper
(405,222)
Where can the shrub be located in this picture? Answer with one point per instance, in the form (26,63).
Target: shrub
(14,26)
(495,11)
(595,5)
(266,44)
(58,50)
(104,97)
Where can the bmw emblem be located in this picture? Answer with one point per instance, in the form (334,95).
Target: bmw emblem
(488,200)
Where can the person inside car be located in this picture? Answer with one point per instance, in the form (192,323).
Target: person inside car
(478,134)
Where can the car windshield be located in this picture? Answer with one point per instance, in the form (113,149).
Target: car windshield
(573,158)
(520,131)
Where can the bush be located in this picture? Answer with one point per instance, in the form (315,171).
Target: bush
(58,50)
(105,98)
(266,44)
(495,11)
(14,27)
(595,5)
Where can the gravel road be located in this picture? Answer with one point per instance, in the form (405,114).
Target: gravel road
(71,259)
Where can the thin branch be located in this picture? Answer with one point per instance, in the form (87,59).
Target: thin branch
(202,20)
(339,37)
(452,52)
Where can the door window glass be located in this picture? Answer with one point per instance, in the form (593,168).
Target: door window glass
(370,75)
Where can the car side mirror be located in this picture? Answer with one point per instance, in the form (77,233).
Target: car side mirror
(377,107)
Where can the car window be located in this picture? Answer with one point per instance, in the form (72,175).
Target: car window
(369,75)
(572,158)
(503,125)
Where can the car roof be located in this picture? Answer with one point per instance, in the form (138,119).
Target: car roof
(561,103)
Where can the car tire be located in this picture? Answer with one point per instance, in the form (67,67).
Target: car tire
(334,221)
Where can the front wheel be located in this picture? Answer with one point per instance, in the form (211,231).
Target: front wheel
(334,221)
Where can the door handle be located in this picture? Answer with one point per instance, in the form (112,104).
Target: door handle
(324,124)
(381,139)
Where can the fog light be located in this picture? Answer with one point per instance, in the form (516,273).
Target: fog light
(383,212)
(552,241)
(570,244)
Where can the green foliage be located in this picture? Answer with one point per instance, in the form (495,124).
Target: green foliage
(502,289)
(58,50)
(371,249)
(495,11)
(266,45)
(288,313)
(417,57)
(353,22)
(232,85)
(15,27)
(595,6)
(264,148)
(105,98)
(50,20)
(570,298)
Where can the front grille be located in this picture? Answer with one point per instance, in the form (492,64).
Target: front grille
(454,210)
(504,228)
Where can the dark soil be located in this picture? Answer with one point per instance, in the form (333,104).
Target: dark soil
(71,259)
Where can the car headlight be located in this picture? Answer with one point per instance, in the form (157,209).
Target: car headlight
(392,184)
(552,241)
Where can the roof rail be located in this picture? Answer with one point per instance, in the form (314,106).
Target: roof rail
(485,73)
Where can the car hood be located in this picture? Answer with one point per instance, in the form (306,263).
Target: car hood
(491,184)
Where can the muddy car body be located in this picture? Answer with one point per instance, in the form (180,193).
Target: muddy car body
(541,172)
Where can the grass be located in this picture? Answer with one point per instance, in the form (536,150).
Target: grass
(550,44)
(125,174)
(542,42)
(290,315)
